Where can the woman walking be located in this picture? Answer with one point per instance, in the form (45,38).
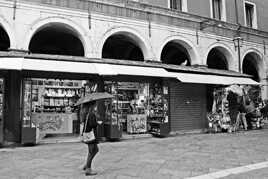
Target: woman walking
(90,123)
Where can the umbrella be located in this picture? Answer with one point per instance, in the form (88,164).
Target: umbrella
(94,97)
(236,89)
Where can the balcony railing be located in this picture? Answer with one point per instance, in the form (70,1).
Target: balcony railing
(155,14)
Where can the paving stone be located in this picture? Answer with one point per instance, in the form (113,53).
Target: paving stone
(173,157)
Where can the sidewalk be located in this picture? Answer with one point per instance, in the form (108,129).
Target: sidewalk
(180,156)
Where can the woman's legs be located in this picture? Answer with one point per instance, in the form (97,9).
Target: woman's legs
(92,151)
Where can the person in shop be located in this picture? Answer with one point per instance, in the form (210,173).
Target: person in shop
(89,112)
(250,112)
(264,109)
(242,112)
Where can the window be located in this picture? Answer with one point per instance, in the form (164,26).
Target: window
(180,5)
(176,4)
(250,15)
(218,9)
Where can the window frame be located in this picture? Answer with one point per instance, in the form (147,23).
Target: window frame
(222,10)
(184,5)
(254,14)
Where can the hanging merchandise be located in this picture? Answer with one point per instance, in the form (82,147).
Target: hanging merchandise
(234,108)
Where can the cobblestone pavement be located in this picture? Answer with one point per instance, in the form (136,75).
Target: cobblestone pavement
(173,157)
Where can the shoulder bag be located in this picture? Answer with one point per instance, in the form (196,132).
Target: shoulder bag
(87,137)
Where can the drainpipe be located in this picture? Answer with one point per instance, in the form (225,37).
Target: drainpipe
(14,9)
(237,36)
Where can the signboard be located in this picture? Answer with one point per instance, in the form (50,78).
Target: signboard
(136,123)
(54,123)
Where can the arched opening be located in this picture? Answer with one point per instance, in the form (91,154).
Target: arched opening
(217,60)
(176,54)
(250,66)
(122,46)
(4,40)
(58,39)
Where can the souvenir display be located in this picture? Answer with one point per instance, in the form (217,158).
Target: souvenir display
(234,108)
(49,105)
(135,104)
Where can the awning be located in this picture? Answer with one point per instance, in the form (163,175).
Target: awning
(109,69)
(58,66)
(212,79)
(11,63)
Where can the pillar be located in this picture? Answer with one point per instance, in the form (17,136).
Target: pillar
(12,119)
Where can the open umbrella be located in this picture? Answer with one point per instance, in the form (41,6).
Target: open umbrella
(236,89)
(94,97)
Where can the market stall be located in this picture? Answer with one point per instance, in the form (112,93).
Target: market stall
(136,108)
(234,108)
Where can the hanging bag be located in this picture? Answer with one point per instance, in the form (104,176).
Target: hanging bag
(87,137)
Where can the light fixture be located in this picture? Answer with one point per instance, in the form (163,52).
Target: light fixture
(238,42)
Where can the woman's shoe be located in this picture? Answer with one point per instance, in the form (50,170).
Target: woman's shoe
(90,172)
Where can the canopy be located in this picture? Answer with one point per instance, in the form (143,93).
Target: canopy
(212,79)
(110,69)
(11,63)
(94,97)
(58,66)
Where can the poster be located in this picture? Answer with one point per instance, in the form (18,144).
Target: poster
(136,123)
(54,123)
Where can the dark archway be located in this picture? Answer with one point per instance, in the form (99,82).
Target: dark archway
(217,60)
(4,40)
(176,54)
(120,46)
(58,39)
(250,64)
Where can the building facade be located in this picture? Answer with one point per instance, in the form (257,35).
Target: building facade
(189,34)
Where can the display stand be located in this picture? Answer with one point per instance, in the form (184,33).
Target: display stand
(158,128)
(28,135)
(158,119)
(113,132)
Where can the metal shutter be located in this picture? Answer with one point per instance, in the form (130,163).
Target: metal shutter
(187,106)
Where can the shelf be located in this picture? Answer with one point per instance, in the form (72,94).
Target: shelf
(63,87)
(155,133)
(155,122)
(59,96)
(47,106)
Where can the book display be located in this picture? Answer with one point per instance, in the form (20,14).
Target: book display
(49,105)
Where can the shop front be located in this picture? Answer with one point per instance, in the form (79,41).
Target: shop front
(190,98)
(140,104)
(49,108)
(148,98)
(138,107)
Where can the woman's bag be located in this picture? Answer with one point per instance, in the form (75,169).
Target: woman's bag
(87,137)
